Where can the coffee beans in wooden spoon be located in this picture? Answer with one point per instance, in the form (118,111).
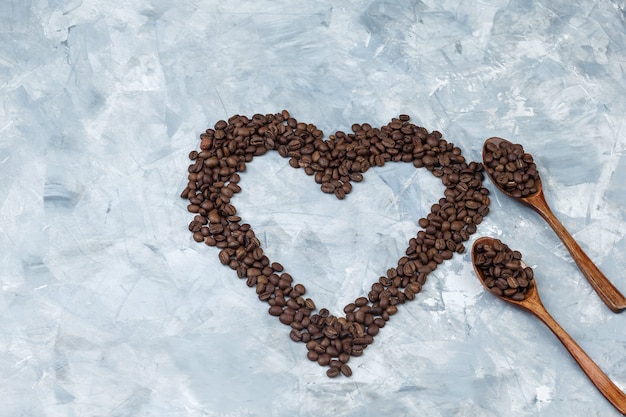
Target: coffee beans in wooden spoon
(503,272)
(513,172)
(489,254)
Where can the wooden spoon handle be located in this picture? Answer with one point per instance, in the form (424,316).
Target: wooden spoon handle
(600,283)
(602,382)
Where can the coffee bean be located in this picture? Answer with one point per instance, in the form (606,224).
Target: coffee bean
(373,330)
(295,335)
(346,370)
(300,289)
(327,188)
(529,273)
(324,359)
(286,318)
(360,302)
(224,256)
(332,351)
(275,310)
(334,363)
(330,332)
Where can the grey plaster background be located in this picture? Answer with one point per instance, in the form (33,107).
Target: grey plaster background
(110,309)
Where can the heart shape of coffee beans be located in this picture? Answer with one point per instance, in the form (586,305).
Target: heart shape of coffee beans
(335,164)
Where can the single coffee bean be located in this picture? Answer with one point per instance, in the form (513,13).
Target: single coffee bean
(275,310)
(360,302)
(346,370)
(300,289)
(286,318)
(224,256)
(323,359)
(334,363)
(373,330)
(295,335)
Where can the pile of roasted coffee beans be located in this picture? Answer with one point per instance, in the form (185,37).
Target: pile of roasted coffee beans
(505,273)
(511,168)
(335,164)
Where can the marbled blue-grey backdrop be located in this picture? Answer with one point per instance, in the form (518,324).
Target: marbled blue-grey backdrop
(108,306)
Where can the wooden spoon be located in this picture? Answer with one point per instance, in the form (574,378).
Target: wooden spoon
(600,283)
(532,303)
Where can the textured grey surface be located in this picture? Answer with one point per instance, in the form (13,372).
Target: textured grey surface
(108,306)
